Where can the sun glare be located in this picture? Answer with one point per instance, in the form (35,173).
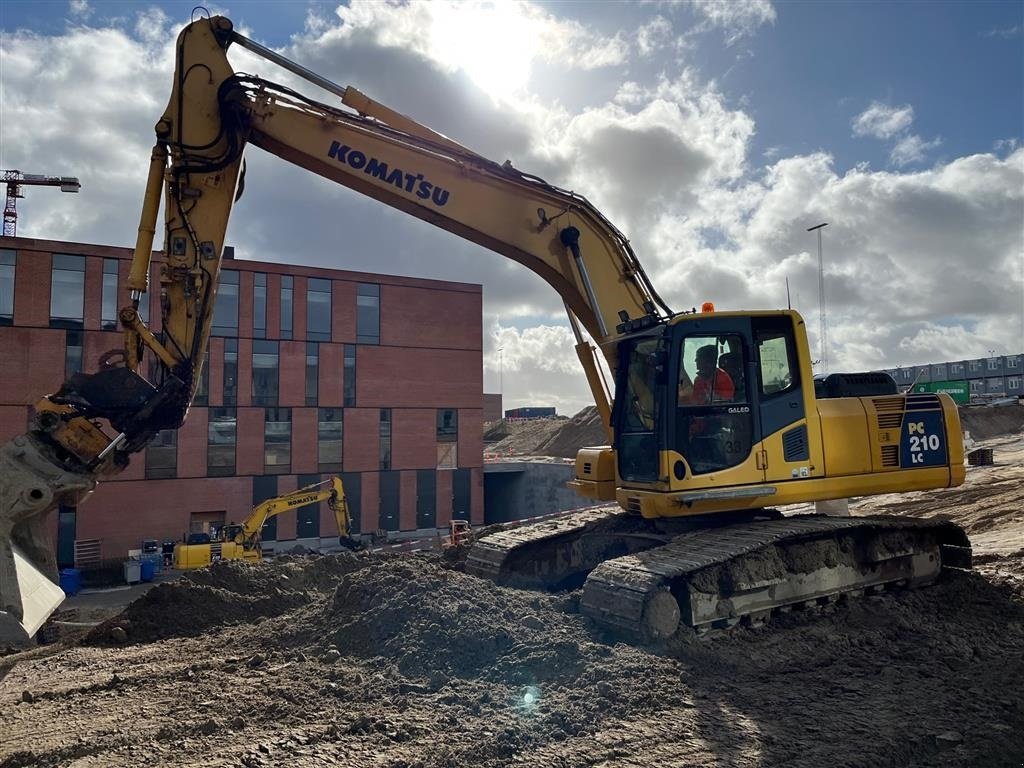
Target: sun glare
(493,44)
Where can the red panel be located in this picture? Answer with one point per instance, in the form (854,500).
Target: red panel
(246,281)
(304,441)
(361,438)
(96,344)
(273,306)
(245,371)
(192,440)
(444,497)
(424,317)
(343,311)
(32,289)
(121,514)
(13,421)
(330,388)
(414,438)
(476,487)
(249,451)
(369,516)
(407,501)
(423,378)
(471,437)
(292,382)
(33,363)
(286,521)
(93,292)
(215,364)
(299,302)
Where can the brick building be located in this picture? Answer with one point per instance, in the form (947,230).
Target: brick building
(310,372)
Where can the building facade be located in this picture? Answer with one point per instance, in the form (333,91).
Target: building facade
(998,375)
(311,372)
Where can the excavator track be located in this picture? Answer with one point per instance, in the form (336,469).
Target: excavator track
(647,584)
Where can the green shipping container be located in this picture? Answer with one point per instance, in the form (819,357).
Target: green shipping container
(958,390)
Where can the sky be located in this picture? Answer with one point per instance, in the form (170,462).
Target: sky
(713,133)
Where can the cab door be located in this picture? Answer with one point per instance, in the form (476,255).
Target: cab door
(780,400)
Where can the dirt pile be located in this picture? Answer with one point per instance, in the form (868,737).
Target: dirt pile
(547,437)
(228,592)
(983,422)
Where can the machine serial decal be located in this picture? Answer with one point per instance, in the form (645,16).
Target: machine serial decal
(407,182)
(922,440)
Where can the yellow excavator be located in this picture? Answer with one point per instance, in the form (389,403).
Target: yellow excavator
(716,416)
(241,541)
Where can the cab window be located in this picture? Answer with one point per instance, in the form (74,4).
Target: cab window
(775,361)
(711,371)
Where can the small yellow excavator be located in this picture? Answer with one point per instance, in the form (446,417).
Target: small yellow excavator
(241,541)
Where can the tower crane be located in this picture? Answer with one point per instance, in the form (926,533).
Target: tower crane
(15,180)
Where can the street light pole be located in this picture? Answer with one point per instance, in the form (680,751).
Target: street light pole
(822,322)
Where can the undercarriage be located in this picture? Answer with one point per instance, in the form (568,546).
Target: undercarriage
(647,579)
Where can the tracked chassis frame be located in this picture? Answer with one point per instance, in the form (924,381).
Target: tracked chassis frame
(647,578)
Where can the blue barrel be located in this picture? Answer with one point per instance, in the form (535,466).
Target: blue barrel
(71,581)
(147,570)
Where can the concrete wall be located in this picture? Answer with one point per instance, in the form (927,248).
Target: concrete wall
(516,490)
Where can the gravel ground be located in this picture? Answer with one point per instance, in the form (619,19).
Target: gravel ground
(406,661)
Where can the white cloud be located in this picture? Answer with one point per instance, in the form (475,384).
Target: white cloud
(882,121)
(911,149)
(79,9)
(737,18)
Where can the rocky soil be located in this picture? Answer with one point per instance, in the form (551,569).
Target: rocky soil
(400,661)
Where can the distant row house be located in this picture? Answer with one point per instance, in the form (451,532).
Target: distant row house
(1000,375)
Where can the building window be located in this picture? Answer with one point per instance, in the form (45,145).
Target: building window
(222,435)
(225,309)
(312,371)
(72,353)
(144,307)
(162,455)
(202,395)
(277,441)
(259,306)
(1012,362)
(67,291)
(956,369)
(385,438)
(368,313)
(230,371)
(993,363)
(447,438)
(907,373)
(1013,383)
(977,385)
(318,310)
(264,372)
(975,365)
(287,289)
(349,379)
(329,439)
(108,312)
(938,371)
(8,259)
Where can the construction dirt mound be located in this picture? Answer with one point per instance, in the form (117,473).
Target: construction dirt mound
(227,592)
(985,422)
(546,437)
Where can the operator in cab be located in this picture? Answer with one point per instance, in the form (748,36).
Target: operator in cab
(711,384)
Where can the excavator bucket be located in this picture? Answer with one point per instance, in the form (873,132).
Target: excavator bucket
(32,485)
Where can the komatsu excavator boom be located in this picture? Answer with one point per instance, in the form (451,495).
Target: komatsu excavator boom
(716,415)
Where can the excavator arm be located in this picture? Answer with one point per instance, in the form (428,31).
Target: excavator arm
(91,426)
(332,491)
